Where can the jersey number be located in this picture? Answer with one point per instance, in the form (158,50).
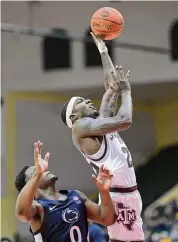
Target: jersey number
(79,236)
(125,151)
(129,159)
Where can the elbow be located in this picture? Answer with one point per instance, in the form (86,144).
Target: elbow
(110,219)
(109,223)
(126,123)
(22,215)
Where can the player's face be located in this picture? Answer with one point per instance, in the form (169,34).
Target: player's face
(84,108)
(46,179)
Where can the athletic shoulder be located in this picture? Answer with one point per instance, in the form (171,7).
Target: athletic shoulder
(82,195)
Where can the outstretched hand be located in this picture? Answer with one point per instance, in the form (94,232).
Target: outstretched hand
(123,79)
(120,81)
(41,165)
(103,180)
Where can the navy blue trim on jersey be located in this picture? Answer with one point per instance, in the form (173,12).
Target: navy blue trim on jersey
(105,150)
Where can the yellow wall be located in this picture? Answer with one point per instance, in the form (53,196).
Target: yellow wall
(8,221)
(166,129)
(7,202)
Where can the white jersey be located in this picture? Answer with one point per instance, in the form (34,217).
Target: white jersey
(114,154)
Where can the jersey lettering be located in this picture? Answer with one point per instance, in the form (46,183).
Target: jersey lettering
(129,159)
(116,135)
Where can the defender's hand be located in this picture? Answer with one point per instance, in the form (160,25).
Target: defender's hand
(123,79)
(103,180)
(99,43)
(40,164)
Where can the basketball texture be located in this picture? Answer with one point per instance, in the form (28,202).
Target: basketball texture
(107,23)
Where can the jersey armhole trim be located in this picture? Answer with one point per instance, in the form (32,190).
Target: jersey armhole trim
(104,153)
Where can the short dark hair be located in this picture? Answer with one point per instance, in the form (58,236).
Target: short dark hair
(63,112)
(20,180)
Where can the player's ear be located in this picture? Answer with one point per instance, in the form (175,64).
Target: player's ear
(73,117)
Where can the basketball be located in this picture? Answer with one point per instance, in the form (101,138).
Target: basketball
(107,23)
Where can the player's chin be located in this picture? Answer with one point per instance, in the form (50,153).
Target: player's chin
(94,114)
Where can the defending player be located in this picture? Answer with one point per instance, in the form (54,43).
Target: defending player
(95,134)
(58,216)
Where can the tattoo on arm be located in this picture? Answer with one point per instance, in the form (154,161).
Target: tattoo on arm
(108,68)
(109,105)
(109,101)
(113,105)
(126,105)
(104,112)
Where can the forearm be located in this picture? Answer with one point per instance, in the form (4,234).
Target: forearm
(126,108)
(109,104)
(104,112)
(112,107)
(26,197)
(107,208)
(108,68)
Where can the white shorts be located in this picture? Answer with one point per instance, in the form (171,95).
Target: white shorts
(128,225)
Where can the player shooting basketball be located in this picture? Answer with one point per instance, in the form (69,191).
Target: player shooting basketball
(95,134)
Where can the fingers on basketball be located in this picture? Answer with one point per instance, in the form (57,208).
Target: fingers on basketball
(96,38)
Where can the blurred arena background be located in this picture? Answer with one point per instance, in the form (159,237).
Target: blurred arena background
(40,73)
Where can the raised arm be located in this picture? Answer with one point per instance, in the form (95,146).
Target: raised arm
(87,127)
(108,66)
(25,205)
(104,213)
(109,101)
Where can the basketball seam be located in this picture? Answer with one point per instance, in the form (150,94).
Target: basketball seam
(107,31)
(116,12)
(108,20)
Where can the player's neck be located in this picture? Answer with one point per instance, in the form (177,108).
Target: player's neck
(50,193)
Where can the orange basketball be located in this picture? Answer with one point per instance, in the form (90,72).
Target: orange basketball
(107,23)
